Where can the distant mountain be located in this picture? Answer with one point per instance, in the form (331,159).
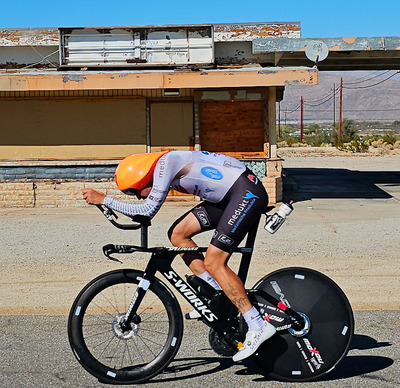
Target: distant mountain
(367,95)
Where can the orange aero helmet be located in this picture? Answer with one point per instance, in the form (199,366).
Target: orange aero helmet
(136,171)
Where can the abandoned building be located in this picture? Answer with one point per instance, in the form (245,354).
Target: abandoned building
(76,101)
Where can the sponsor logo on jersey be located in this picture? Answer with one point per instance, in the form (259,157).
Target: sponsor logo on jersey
(203,218)
(240,212)
(250,195)
(229,164)
(252,178)
(161,166)
(212,173)
(155,189)
(155,199)
(225,239)
(206,193)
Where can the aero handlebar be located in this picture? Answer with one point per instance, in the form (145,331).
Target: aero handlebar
(140,221)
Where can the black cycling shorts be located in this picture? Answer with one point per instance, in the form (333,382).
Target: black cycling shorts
(233,217)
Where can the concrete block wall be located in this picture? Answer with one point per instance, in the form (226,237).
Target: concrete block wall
(31,186)
(273,186)
(69,194)
(52,193)
(273,182)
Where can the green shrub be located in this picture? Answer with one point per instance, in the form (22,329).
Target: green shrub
(389,138)
(356,145)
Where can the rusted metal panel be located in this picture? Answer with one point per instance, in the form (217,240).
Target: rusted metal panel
(29,37)
(142,46)
(250,31)
(281,44)
(22,81)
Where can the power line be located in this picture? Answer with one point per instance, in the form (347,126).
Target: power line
(356,110)
(368,79)
(370,86)
(318,101)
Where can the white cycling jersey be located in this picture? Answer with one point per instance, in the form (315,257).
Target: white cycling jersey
(205,174)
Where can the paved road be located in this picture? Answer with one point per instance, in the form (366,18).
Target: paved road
(34,350)
(34,353)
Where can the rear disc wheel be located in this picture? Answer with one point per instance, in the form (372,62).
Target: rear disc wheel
(308,353)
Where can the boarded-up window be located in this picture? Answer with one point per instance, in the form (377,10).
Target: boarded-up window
(232,126)
(72,128)
(171,125)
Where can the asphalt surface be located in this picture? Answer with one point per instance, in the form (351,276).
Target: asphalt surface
(332,203)
(35,353)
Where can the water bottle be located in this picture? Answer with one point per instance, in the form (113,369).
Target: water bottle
(277,219)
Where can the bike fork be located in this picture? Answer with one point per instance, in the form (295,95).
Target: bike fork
(144,284)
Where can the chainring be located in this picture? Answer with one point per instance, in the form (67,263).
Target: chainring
(219,345)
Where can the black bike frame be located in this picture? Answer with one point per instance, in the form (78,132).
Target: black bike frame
(161,260)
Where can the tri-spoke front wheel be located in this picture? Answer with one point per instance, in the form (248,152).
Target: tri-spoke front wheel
(116,353)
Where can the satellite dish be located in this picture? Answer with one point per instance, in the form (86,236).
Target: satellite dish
(317,51)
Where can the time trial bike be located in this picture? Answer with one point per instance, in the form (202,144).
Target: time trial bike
(126,325)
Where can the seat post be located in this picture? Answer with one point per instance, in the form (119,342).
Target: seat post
(144,236)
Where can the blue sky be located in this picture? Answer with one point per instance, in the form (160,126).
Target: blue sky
(323,18)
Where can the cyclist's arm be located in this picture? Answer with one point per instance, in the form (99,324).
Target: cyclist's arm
(131,209)
(166,169)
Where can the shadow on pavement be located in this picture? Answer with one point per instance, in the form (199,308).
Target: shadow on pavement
(197,364)
(350,366)
(301,184)
(363,342)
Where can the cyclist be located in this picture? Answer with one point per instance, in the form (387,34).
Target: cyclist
(233,200)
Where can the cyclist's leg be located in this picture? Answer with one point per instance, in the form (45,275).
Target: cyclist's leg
(247,199)
(180,235)
(195,221)
(243,204)
(216,264)
(259,331)
(203,217)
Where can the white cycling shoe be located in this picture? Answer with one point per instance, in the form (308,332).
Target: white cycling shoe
(254,338)
(193,315)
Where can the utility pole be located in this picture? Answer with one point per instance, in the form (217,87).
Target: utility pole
(301,119)
(334,105)
(340,110)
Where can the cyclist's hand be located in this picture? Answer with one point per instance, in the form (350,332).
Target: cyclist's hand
(93,197)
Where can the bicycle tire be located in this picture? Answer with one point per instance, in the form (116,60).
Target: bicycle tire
(117,357)
(307,356)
